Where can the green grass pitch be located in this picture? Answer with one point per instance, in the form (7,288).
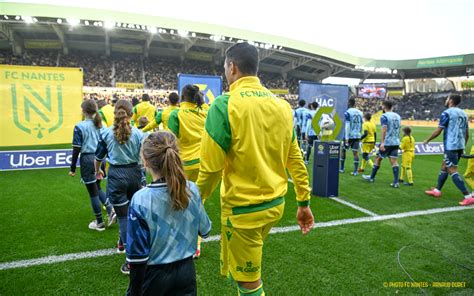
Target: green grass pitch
(46,212)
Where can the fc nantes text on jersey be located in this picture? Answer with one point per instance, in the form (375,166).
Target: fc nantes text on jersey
(249,143)
(187,123)
(161,116)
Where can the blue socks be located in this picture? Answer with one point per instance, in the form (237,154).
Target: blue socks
(342,163)
(356,164)
(105,201)
(95,203)
(442,177)
(374,171)
(459,182)
(123,221)
(396,174)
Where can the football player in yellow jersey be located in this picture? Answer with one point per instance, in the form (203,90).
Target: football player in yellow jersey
(187,123)
(369,137)
(106,112)
(249,143)
(469,173)
(164,115)
(145,108)
(407,145)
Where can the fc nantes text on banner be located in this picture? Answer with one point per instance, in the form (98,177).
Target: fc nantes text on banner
(210,86)
(40,105)
(330,97)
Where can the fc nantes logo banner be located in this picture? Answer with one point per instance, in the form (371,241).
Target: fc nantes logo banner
(40,105)
(210,86)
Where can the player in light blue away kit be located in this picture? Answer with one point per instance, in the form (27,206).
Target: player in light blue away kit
(166,218)
(84,143)
(121,144)
(352,134)
(309,130)
(300,115)
(454,123)
(389,143)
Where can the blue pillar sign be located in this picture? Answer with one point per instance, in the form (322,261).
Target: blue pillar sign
(326,169)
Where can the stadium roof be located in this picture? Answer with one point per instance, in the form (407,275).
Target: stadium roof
(135,33)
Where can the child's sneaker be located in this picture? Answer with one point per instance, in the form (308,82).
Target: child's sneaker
(395,185)
(120,247)
(94,226)
(407,184)
(111,218)
(433,192)
(467,201)
(125,268)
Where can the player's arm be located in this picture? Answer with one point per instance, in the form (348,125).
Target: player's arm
(100,154)
(365,134)
(76,149)
(299,174)
(102,116)
(205,224)
(215,144)
(467,133)
(154,124)
(347,125)
(137,249)
(173,122)
(384,123)
(308,124)
(443,124)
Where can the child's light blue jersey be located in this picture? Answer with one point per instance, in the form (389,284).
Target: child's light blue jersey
(156,233)
(392,121)
(353,118)
(119,154)
(300,115)
(86,135)
(309,123)
(455,123)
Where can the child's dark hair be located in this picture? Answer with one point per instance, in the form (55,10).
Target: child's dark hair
(89,107)
(301,103)
(191,93)
(388,104)
(368,116)
(122,128)
(142,122)
(161,155)
(174,98)
(315,105)
(406,130)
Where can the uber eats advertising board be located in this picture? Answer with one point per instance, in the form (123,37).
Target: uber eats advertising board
(40,105)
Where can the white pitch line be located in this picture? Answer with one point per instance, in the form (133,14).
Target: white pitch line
(356,207)
(109,252)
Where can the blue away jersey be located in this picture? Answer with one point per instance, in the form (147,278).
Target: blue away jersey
(454,122)
(300,115)
(119,154)
(86,136)
(353,118)
(309,123)
(392,121)
(157,234)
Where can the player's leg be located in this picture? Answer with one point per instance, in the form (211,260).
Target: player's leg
(395,168)
(452,167)
(342,159)
(409,168)
(355,152)
(378,161)
(89,179)
(469,173)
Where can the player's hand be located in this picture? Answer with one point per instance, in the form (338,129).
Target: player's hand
(305,219)
(72,174)
(99,175)
(382,147)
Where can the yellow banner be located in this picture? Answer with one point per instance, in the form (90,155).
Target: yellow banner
(40,105)
(129,85)
(279,91)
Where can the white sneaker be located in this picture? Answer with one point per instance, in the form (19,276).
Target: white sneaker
(112,218)
(94,226)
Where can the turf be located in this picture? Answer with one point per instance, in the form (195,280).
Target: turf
(46,212)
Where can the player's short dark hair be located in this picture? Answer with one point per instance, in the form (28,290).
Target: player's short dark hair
(101,103)
(145,97)
(407,130)
(301,103)
(244,56)
(174,98)
(351,103)
(368,116)
(387,104)
(315,105)
(455,98)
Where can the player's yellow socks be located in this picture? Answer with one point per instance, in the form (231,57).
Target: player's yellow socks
(253,292)
(362,164)
(409,176)
(371,163)
(402,173)
(199,242)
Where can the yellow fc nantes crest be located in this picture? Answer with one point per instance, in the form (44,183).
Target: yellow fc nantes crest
(42,104)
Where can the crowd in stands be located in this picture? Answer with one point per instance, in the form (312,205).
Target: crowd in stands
(97,68)
(417,106)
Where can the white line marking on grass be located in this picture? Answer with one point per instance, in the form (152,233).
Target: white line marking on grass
(109,252)
(356,207)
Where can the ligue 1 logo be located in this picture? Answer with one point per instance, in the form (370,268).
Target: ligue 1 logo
(320,149)
(37,111)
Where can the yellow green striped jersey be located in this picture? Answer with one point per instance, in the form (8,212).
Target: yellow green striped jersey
(160,117)
(187,123)
(249,143)
(143,109)
(107,115)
